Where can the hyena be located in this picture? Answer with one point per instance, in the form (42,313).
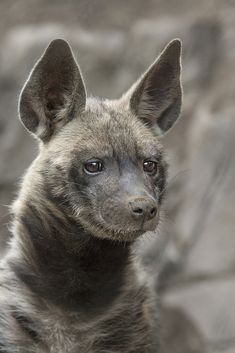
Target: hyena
(70,281)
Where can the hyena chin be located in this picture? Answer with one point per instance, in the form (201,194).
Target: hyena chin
(69,282)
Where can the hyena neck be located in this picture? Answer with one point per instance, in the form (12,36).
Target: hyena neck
(62,263)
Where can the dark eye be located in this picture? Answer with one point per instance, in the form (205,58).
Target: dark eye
(94,166)
(150,167)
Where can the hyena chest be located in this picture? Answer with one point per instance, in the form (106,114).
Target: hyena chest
(76,338)
(114,335)
(67,339)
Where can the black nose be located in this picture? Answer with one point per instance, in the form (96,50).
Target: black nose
(143,208)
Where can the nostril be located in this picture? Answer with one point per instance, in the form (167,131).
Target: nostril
(138,210)
(143,209)
(152,212)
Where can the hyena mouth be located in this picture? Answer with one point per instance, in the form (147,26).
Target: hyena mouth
(101,229)
(128,226)
(126,232)
(124,235)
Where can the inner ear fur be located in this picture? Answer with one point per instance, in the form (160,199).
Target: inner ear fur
(157,96)
(54,92)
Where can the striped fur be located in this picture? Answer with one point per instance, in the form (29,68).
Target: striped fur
(70,281)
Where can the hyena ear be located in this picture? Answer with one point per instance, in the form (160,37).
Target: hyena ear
(156,97)
(54,92)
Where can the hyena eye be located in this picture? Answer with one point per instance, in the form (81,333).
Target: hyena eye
(150,167)
(92,167)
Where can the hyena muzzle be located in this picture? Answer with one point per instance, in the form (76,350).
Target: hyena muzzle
(69,282)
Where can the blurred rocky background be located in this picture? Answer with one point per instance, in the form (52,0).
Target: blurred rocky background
(192,260)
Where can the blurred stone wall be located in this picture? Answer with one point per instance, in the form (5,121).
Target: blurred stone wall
(192,260)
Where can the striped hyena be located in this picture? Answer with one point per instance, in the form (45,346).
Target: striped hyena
(69,282)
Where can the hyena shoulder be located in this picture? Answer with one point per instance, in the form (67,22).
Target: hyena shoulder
(25,323)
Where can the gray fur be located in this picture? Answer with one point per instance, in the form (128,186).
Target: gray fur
(156,97)
(71,282)
(54,91)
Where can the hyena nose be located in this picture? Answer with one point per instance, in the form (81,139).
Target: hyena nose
(143,208)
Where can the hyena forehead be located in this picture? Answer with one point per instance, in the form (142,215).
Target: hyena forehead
(104,130)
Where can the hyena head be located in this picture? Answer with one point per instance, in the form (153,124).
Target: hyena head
(101,159)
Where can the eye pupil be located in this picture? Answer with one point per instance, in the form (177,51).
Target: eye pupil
(150,167)
(94,166)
